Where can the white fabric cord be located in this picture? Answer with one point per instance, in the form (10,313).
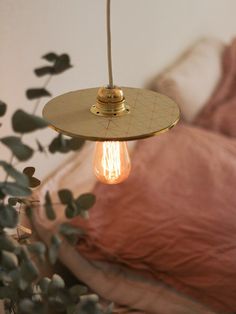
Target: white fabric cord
(109,56)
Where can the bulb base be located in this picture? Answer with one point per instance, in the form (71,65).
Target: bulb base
(110,102)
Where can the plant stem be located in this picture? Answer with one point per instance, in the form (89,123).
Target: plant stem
(33,112)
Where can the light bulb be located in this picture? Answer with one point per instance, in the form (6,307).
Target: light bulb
(111,162)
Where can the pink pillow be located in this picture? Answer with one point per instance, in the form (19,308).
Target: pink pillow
(192,79)
(175,217)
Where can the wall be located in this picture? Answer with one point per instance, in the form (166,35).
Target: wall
(147,35)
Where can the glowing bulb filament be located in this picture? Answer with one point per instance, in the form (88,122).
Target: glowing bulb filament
(111,162)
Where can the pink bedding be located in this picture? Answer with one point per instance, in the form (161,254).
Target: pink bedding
(174,219)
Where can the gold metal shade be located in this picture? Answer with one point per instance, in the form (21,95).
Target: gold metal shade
(82,114)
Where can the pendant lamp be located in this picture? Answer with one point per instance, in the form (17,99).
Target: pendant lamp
(111,115)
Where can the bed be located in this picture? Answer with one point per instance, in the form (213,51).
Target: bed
(163,241)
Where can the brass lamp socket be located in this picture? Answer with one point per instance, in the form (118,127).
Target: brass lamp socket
(110,102)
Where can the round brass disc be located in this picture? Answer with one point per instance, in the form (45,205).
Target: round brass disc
(150,113)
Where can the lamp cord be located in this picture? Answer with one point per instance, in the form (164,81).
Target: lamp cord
(109,55)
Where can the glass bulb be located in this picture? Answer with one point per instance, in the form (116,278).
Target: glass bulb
(111,162)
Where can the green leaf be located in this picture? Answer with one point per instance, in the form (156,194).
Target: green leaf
(56,283)
(37,248)
(51,56)
(44,70)
(8,216)
(58,145)
(14,189)
(85,201)
(34,93)
(21,151)
(29,172)
(17,280)
(54,248)
(62,64)
(15,174)
(78,290)
(24,122)
(9,260)
(88,307)
(75,143)
(66,196)
(44,284)
(26,306)
(62,145)
(29,271)
(7,243)
(3,108)
(2,195)
(8,293)
(70,233)
(68,229)
(49,208)
(34,182)
(71,210)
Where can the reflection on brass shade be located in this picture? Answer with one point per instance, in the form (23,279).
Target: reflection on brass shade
(148,113)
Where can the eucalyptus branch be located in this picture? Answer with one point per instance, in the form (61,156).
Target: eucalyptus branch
(37,103)
(39,99)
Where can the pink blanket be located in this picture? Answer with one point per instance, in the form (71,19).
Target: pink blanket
(174,219)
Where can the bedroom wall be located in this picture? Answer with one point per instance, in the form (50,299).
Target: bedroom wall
(147,35)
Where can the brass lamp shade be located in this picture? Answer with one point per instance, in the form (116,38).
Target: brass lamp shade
(111,114)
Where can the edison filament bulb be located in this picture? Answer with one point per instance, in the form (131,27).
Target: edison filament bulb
(111,162)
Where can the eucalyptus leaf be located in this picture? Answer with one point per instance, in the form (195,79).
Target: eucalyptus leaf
(49,207)
(7,293)
(68,229)
(54,248)
(44,284)
(7,243)
(88,307)
(26,306)
(33,181)
(19,177)
(21,151)
(78,290)
(3,108)
(14,189)
(29,271)
(62,145)
(71,210)
(76,143)
(29,171)
(85,201)
(8,260)
(58,144)
(2,195)
(56,283)
(51,56)
(44,70)
(70,233)
(17,279)
(8,216)
(66,196)
(37,248)
(62,64)
(24,122)
(34,93)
